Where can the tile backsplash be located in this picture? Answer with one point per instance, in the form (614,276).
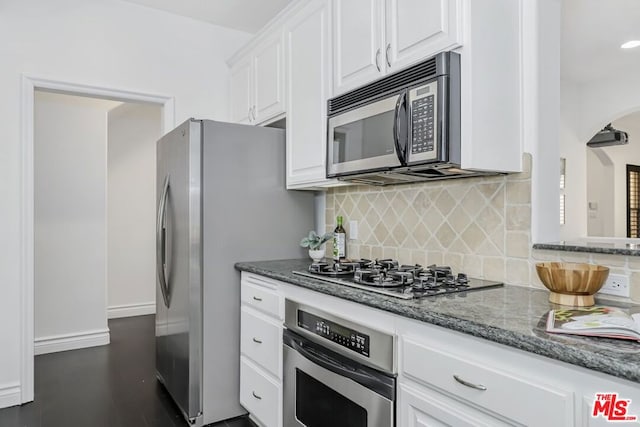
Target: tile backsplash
(481,226)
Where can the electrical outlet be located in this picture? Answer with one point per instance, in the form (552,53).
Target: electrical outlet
(616,284)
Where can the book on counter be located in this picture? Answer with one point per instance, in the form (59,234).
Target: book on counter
(597,321)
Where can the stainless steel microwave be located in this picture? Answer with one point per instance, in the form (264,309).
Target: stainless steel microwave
(404,127)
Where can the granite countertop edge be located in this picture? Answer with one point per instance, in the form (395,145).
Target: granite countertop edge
(578,247)
(533,344)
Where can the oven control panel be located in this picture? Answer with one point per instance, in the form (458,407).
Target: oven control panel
(341,335)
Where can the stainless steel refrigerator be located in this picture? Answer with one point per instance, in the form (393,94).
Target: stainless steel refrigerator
(221,199)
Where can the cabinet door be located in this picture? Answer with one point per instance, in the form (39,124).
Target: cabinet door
(427,408)
(241,97)
(268,72)
(417,29)
(307,77)
(358,43)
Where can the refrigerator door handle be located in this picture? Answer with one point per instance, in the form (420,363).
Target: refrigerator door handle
(161,243)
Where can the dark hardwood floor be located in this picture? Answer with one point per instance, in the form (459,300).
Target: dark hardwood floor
(108,386)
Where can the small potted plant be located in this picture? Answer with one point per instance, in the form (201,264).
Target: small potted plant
(315,243)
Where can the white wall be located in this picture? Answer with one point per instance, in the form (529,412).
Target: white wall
(105,43)
(70,219)
(610,188)
(601,193)
(574,150)
(587,108)
(133,130)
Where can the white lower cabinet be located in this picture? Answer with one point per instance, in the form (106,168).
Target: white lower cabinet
(261,340)
(260,394)
(485,385)
(445,378)
(423,407)
(261,349)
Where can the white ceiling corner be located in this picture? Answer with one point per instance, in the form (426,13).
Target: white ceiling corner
(592,32)
(242,15)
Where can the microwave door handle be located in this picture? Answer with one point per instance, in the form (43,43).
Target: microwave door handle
(400,152)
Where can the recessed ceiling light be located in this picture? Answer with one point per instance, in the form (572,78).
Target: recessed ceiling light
(630,44)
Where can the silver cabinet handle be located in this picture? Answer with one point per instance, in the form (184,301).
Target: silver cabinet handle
(386,54)
(378,60)
(255,395)
(249,114)
(256,340)
(468,384)
(257,299)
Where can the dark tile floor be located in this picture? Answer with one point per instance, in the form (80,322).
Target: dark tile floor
(108,386)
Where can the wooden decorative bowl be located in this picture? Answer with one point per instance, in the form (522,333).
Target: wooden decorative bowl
(570,283)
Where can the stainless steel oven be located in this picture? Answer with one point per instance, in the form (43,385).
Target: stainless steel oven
(336,373)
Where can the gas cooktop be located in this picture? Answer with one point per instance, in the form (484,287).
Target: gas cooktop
(388,277)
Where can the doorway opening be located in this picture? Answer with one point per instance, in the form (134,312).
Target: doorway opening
(94,216)
(121,103)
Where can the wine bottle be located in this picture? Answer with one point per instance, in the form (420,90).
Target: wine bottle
(339,241)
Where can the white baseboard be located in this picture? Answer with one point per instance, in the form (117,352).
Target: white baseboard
(55,343)
(129,310)
(9,395)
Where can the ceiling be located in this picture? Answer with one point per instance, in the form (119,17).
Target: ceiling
(592,32)
(243,15)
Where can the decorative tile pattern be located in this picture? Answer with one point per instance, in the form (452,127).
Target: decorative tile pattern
(479,225)
(462,222)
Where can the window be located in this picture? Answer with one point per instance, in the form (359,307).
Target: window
(633,197)
(563,174)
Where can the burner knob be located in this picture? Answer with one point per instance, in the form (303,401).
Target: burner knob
(449,280)
(431,281)
(462,278)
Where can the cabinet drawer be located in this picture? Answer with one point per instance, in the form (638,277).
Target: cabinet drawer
(505,394)
(261,340)
(260,395)
(257,295)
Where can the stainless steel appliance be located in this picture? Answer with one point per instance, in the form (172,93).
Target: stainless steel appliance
(221,199)
(388,277)
(402,128)
(336,372)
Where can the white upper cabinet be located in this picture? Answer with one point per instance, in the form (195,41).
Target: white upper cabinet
(374,37)
(357,42)
(258,81)
(493,85)
(268,67)
(417,29)
(307,40)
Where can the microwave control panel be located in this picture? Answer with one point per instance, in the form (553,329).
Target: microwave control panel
(423,117)
(339,334)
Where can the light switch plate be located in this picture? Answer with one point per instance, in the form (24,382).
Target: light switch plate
(353,230)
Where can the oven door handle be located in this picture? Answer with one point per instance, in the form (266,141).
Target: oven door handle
(400,152)
(334,366)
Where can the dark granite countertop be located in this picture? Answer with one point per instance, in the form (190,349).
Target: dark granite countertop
(510,315)
(612,247)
